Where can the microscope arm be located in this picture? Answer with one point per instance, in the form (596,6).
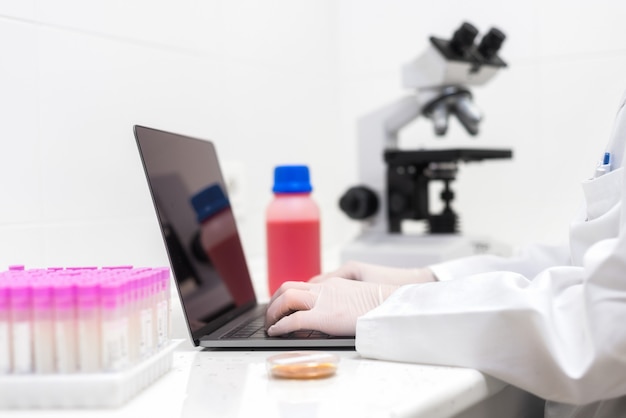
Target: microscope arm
(377,132)
(400,114)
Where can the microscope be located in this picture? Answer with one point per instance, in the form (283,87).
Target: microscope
(394,183)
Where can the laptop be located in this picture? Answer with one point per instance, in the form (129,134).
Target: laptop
(204,247)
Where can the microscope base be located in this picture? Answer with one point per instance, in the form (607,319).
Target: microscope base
(400,250)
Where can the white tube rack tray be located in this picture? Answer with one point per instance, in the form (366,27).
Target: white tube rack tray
(86,390)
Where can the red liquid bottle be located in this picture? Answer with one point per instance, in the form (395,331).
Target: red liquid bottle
(292,228)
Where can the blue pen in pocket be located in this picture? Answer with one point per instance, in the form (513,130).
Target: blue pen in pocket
(605,165)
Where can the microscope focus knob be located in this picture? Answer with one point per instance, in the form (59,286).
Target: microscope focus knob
(359,202)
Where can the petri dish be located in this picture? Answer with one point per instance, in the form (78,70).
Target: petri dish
(302,365)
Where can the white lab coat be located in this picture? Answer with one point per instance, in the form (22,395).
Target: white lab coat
(551,321)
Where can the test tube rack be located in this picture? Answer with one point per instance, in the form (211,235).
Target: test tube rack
(82,337)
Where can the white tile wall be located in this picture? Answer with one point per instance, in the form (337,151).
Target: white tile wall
(279,82)
(21,174)
(80,76)
(580,27)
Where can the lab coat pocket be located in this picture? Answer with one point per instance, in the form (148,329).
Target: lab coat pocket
(602,200)
(603,193)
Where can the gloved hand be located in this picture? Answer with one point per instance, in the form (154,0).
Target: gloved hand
(354,270)
(331,306)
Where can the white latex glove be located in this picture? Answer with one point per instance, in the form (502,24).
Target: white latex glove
(331,306)
(355,270)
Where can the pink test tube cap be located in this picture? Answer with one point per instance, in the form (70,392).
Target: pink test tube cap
(19,294)
(42,294)
(88,293)
(64,292)
(4,296)
(110,294)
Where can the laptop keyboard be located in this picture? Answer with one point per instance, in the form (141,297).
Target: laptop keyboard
(256,329)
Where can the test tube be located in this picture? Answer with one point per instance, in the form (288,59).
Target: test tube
(133,313)
(145,314)
(5,329)
(64,295)
(168,302)
(114,333)
(88,318)
(124,318)
(43,320)
(21,325)
(155,276)
(164,306)
(160,310)
(154,301)
(134,321)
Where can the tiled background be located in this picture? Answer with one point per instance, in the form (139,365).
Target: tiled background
(280,81)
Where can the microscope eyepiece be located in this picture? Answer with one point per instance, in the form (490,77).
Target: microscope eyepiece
(491,43)
(463,38)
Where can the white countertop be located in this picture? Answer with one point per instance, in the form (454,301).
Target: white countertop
(236,384)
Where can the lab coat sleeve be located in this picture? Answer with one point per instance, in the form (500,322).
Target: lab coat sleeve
(559,334)
(528,261)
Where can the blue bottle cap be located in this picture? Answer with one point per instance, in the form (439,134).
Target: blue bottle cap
(291,179)
(209,201)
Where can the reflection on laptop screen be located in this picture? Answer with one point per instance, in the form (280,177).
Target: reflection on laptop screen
(197,224)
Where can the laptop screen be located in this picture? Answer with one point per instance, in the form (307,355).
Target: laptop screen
(197,224)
